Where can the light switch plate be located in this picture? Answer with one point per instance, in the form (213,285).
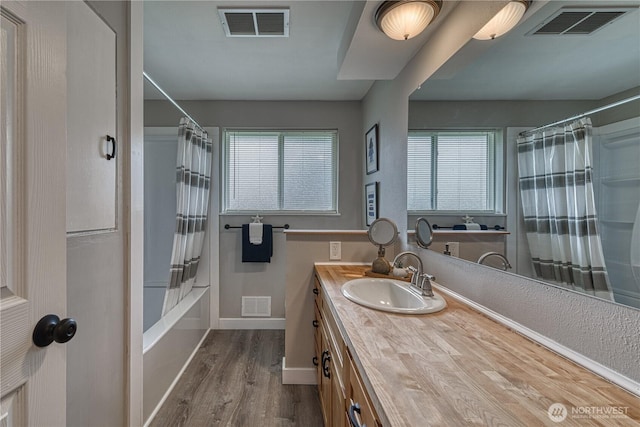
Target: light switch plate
(454,248)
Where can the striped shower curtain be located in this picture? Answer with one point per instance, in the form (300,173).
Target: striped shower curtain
(554,166)
(192,200)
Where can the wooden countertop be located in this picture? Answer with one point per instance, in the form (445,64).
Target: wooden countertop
(458,367)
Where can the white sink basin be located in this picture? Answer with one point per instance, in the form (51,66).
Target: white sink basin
(390,295)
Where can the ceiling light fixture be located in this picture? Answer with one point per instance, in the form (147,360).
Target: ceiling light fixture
(402,20)
(504,20)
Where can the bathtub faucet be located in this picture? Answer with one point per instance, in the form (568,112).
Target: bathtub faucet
(505,261)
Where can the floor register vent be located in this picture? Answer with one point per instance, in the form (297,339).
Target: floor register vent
(241,22)
(256,306)
(578,21)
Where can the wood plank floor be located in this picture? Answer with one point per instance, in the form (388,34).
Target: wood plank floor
(235,379)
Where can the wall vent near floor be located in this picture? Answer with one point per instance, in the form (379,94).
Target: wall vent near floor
(578,21)
(256,306)
(241,22)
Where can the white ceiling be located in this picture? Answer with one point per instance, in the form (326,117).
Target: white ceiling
(335,52)
(521,67)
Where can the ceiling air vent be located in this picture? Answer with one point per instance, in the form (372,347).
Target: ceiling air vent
(578,21)
(239,22)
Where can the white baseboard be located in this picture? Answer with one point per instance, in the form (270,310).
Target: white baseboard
(175,381)
(252,323)
(595,367)
(305,376)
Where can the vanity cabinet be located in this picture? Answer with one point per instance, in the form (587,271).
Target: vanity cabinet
(339,385)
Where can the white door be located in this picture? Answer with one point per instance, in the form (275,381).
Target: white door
(32,210)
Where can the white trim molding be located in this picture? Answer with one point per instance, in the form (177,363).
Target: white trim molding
(253,323)
(306,376)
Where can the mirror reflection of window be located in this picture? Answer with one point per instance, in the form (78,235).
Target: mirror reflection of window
(453,171)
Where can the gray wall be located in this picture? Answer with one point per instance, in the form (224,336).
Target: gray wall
(602,331)
(239,279)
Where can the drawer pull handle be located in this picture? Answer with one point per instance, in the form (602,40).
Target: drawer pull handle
(316,291)
(315,360)
(326,358)
(112,140)
(352,415)
(315,323)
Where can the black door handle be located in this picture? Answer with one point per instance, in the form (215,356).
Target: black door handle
(50,328)
(111,140)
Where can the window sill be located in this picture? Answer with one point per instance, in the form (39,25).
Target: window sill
(280,213)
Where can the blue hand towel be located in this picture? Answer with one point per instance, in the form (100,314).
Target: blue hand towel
(464,227)
(257,253)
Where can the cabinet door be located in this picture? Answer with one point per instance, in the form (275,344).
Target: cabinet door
(358,396)
(338,407)
(325,378)
(91,119)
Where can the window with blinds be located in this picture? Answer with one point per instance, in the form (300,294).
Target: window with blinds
(451,171)
(280,171)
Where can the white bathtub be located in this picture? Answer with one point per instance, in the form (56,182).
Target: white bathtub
(169,345)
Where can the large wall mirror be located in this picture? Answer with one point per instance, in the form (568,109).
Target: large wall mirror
(464,121)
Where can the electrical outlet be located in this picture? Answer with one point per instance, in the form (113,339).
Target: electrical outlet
(335,250)
(454,248)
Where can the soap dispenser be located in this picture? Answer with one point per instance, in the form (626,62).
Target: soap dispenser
(446,250)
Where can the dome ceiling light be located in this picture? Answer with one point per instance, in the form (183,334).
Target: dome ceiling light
(403,20)
(504,20)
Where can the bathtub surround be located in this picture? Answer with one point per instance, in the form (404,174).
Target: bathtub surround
(168,347)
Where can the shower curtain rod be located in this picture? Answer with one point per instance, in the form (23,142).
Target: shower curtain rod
(596,110)
(166,95)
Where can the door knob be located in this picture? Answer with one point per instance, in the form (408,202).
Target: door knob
(50,328)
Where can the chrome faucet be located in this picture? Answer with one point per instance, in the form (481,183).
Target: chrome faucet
(420,281)
(505,261)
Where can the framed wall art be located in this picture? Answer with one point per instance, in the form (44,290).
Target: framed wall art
(371,202)
(371,149)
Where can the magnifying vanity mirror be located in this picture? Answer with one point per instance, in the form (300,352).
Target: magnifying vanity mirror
(382,232)
(424,234)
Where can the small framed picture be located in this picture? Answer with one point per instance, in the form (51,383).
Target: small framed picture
(371,149)
(371,201)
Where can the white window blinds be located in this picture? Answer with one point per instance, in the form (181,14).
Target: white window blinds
(419,169)
(451,171)
(280,171)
